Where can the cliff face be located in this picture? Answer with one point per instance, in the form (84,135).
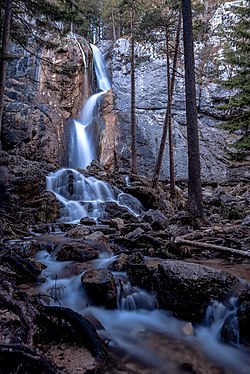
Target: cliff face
(151,101)
(44,89)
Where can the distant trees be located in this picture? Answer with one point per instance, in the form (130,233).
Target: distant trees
(195,205)
(237,55)
(4,54)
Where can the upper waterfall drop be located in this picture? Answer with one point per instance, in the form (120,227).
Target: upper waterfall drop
(101,74)
(83,143)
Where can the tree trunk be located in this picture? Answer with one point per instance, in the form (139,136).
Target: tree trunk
(194,172)
(113,25)
(167,122)
(133,118)
(4,52)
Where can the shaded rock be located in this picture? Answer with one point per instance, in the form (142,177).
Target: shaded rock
(183,217)
(243,315)
(148,196)
(112,210)
(187,288)
(17,269)
(141,275)
(246,221)
(87,221)
(23,248)
(133,235)
(157,220)
(78,232)
(100,286)
(118,223)
(133,226)
(100,241)
(80,252)
(120,264)
(45,207)
(45,228)
(155,247)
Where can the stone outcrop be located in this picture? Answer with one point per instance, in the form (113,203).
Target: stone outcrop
(197,284)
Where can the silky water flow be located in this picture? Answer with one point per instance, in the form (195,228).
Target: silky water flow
(136,311)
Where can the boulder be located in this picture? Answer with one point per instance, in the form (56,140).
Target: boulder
(157,220)
(45,207)
(78,232)
(243,315)
(75,251)
(186,289)
(113,210)
(100,287)
(24,248)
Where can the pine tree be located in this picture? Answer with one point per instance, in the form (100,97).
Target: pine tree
(238,56)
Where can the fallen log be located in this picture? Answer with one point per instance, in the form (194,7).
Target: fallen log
(211,247)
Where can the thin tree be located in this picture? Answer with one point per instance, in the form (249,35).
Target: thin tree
(4,55)
(195,205)
(132,74)
(168,117)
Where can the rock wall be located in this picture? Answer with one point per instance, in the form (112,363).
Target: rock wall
(151,99)
(44,89)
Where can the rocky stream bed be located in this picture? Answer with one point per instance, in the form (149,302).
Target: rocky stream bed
(157,293)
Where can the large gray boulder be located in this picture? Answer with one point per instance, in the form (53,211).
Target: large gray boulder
(186,289)
(100,287)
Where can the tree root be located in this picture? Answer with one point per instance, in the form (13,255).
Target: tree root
(83,327)
(21,266)
(23,309)
(27,357)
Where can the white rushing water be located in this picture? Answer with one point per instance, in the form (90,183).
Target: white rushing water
(82,196)
(137,316)
(82,145)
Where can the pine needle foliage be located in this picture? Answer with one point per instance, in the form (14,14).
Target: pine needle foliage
(237,55)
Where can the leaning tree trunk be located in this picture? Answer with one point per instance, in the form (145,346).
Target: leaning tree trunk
(4,52)
(133,117)
(194,171)
(167,122)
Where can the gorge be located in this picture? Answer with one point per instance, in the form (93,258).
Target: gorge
(101,272)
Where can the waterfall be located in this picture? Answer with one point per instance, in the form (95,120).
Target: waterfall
(82,196)
(82,145)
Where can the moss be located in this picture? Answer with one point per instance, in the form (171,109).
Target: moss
(232,213)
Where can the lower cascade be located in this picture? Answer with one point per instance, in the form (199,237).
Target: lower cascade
(135,322)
